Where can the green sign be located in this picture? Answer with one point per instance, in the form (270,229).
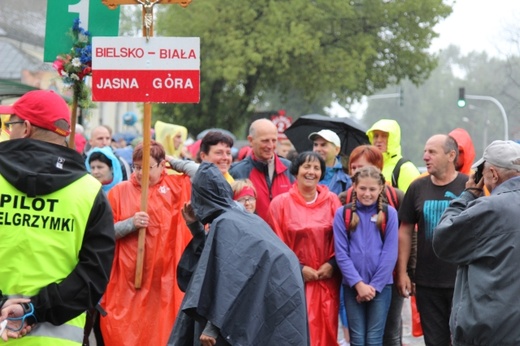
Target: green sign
(95,17)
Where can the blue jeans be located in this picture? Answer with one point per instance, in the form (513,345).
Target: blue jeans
(366,321)
(342,310)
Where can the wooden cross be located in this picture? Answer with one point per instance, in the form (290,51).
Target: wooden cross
(147,10)
(112,4)
(147,120)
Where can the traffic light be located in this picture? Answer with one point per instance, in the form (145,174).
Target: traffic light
(462,98)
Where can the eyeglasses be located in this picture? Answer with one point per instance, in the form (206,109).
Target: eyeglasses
(139,168)
(9,123)
(246,200)
(20,321)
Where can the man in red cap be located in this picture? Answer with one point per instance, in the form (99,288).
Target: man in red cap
(56,226)
(38,109)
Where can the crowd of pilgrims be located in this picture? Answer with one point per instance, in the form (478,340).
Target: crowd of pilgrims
(338,216)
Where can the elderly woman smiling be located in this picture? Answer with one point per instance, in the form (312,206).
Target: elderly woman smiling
(303,218)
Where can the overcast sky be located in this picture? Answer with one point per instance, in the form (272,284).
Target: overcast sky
(480,25)
(474,25)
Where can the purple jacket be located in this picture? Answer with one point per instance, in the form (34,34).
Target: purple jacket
(363,255)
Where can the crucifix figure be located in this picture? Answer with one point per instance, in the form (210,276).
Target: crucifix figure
(148,15)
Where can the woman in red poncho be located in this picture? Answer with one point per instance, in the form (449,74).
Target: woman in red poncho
(146,316)
(302,218)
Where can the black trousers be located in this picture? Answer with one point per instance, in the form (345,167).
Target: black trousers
(434,305)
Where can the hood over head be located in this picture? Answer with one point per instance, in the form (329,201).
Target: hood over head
(117,173)
(394,136)
(164,134)
(466,150)
(39,168)
(211,194)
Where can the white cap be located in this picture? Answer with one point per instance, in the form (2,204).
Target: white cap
(505,154)
(328,135)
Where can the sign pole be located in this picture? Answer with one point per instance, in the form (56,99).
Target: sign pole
(147,18)
(147,121)
(141,240)
(73,120)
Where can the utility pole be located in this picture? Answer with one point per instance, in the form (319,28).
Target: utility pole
(398,95)
(462,102)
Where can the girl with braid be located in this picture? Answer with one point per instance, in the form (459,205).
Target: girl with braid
(366,253)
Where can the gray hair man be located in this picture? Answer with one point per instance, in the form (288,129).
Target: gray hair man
(480,235)
(101,137)
(268,172)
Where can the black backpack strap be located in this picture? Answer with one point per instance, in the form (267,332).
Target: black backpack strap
(343,186)
(91,322)
(397,171)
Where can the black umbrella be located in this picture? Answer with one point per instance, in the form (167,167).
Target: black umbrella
(349,132)
(203,133)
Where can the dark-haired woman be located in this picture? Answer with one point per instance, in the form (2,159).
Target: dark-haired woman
(302,218)
(104,166)
(215,147)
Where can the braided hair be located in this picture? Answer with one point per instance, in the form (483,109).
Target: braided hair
(368,172)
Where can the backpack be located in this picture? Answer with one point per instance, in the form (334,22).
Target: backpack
(397,170)
(390,193)
(347,216)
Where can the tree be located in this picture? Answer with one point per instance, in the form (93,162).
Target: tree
(432,107)
(130,21)
(343,49)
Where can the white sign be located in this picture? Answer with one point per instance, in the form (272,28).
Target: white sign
(164,69)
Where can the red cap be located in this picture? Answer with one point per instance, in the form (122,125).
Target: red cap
(42,108)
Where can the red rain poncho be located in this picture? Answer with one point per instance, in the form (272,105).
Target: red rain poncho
(307,230)
(146,316)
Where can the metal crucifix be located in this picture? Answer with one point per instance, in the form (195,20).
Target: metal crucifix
(148,15)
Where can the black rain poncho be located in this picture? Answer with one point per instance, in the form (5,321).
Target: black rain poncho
(248,283)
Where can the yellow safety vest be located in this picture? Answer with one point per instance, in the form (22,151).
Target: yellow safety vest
(41,238)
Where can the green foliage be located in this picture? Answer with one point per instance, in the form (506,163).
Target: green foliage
(130,22)
(432,107)
(320,50)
